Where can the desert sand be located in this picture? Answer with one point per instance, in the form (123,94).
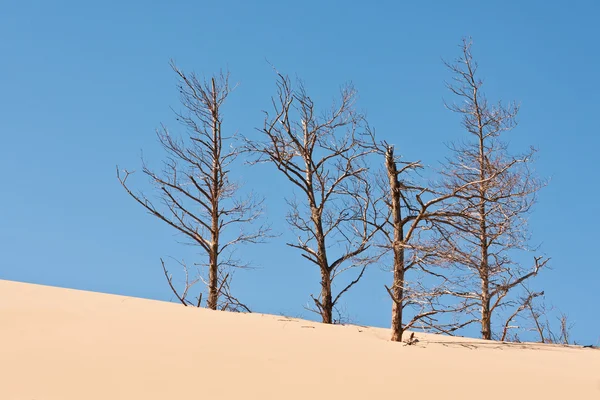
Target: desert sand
(63,344)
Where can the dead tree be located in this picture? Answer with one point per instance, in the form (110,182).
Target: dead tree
(226,300)
(525,305)
(534,315)
(196,195)
(403,221)
(323,158)
(482,243)
(411,211)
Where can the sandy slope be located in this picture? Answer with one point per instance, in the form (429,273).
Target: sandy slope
(60,344)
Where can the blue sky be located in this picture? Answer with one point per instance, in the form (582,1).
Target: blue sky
(83,85)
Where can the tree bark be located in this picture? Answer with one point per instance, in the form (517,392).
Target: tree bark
(213,274)
(326,306)
(326,298)
(486,317)
(398,249)
(484,268)
(213,281)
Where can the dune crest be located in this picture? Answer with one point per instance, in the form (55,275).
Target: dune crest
(63,344)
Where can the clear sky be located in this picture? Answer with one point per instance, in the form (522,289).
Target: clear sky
(83,85)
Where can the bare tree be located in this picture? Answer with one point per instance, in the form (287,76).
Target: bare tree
(483,242)
(412,211)
(323,157)
(196,196)
(535,316)
(525,305)
(406,212)
(226,300)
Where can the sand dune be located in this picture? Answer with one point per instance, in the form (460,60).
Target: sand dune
(61,344)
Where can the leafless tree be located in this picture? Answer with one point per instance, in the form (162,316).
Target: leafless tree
(483,242)
(226,301)
(406,212)
(411,210)
(525,305)
(323,158)
(534,315)
(196,195)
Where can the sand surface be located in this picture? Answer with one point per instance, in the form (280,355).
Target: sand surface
(62,344)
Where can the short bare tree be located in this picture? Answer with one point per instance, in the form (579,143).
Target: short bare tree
(534,315)
(195,193)
(483,242)
(322,156)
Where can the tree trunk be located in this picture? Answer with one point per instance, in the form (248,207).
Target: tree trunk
(213,280)
(397,306)
(398,249)
(484,275)
(484,269)
(213,274)
(326,299)
(326,304)
(486,315)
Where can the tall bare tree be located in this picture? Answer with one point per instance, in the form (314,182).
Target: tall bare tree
(196,195)
(411,211)
(323,157)
(484,242)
